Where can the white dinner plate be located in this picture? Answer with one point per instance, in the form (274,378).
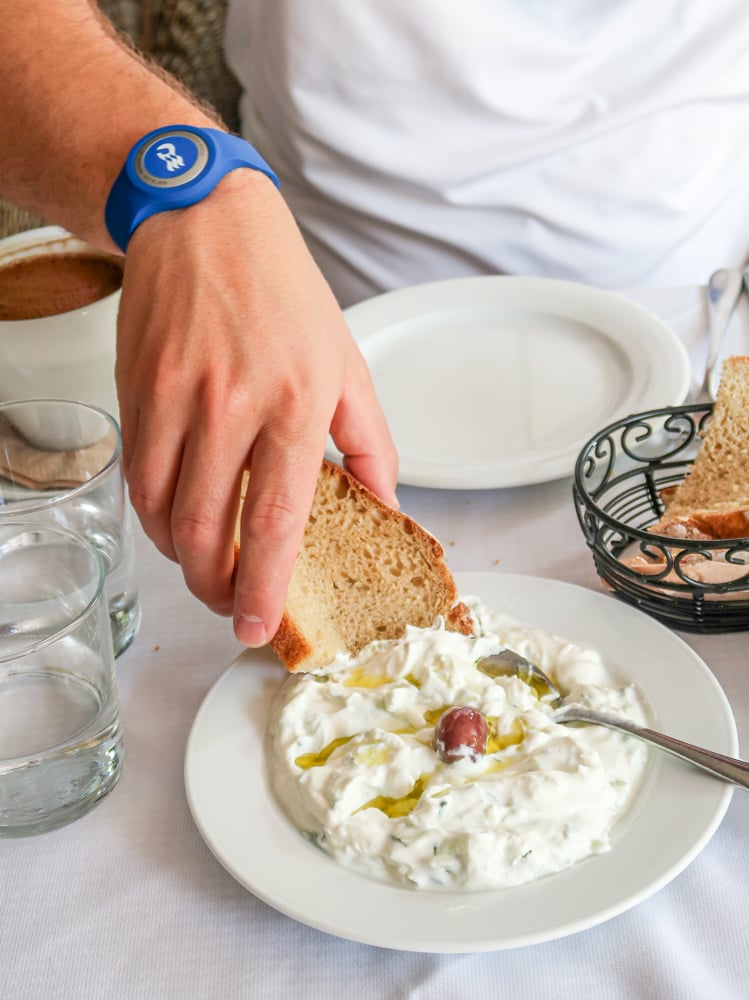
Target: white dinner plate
(675,814)
(498,381)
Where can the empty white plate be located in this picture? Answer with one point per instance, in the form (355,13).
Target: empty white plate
(498,381)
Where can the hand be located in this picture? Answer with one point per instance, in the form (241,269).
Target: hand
(232,352)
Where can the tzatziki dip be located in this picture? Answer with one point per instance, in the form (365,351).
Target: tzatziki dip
(355,765)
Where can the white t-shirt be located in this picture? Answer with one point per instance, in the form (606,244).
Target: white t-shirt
(605,141)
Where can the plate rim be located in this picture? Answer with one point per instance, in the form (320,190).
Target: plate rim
(677,782)
(365,320)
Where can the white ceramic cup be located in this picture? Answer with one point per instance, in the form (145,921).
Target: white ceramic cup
(68,355)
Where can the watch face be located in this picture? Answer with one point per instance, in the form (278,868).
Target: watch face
(171,159)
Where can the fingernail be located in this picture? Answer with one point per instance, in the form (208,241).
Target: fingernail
(251,631)
(395,502)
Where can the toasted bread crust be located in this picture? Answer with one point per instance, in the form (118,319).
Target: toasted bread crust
(460,619)
(706,524)
(290,645)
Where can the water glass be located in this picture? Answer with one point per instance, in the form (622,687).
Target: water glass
(61,464)
(60,739)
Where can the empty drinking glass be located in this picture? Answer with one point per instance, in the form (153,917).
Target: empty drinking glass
(61,464)
(60,740)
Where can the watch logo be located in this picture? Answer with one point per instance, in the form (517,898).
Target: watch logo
(167,152)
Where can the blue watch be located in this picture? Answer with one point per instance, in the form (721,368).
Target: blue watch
(173,167)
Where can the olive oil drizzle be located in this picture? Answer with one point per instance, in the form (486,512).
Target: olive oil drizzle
(433,715)
(500,741)
(360,677)
(395,807)
(496,742)
(307,760)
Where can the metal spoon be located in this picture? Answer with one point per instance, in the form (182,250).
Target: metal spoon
(508,663)
(723,291)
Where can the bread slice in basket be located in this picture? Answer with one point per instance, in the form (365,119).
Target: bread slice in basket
(364,572)
(713,500)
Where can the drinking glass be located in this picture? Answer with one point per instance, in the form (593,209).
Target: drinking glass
(61,464)
(60,739)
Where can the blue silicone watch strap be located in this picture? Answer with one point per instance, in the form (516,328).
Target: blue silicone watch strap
(173,167)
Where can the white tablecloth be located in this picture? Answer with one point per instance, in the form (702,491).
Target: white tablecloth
(128,902)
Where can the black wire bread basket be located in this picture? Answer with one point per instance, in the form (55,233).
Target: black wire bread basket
(621,476)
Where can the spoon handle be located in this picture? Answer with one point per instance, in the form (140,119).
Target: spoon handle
(723,291)
(717,764)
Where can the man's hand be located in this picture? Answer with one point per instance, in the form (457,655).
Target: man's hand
(231,348)
(232,352)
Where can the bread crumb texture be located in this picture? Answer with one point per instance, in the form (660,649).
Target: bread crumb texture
(364,572)
(714,497)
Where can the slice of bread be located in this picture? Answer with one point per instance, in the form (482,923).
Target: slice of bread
(713,500)
(364,571)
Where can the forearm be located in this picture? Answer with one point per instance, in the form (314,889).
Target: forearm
(75,98)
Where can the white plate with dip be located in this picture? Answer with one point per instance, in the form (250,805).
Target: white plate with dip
(674,816)
(498,381)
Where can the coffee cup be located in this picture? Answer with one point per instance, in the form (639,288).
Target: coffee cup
(59,299)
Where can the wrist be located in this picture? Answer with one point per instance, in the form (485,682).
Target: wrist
(174,167)
(244,195)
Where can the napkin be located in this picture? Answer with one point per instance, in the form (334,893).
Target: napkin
(37,469)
